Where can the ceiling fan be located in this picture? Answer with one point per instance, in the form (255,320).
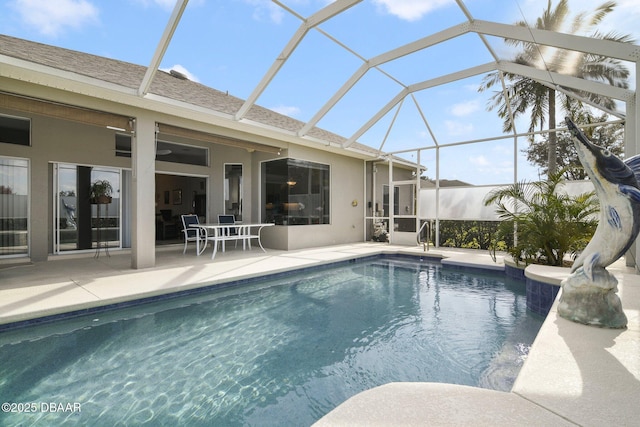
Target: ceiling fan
(162,152)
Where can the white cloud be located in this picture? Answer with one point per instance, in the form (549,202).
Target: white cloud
(164,4)
(502,149)
(53,17)
(465,108)
(479,160)
(410,10)
(483,168)
(455,128)
(184,71)
(286,110)
(167,5)
(263,8)
(472,87)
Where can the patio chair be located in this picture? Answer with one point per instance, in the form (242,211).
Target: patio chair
(231,231)
(190,234)
(166,224)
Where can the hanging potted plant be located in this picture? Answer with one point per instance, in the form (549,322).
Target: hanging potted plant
(101,191)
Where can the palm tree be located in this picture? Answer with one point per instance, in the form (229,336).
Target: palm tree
(527,95)
(549,223)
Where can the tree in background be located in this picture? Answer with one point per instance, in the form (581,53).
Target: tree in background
(539,100)
(608,136)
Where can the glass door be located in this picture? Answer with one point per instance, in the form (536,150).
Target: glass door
(233,190)
(80,222)
(14,207)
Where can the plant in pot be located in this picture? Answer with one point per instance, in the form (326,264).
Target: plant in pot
(100,193)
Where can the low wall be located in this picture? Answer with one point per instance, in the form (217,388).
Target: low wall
(543,285)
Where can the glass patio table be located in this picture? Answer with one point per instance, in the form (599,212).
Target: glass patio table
(222,233)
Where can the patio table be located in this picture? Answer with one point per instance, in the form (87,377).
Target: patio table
(223,233)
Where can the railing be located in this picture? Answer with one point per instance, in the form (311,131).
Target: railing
(425,242)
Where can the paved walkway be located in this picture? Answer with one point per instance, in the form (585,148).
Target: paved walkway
(574,374)
(69,283)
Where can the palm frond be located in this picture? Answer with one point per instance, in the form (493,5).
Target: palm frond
(550,222)
(529,97)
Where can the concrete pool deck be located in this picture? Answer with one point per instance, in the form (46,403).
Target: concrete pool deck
(574,374)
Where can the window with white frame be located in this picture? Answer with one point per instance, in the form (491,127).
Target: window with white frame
(14,207)
(82,222)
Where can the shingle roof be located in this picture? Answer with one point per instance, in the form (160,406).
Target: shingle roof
(164,84)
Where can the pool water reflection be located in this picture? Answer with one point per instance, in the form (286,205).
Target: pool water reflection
(281,351)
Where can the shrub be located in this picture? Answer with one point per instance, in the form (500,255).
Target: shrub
(549,223)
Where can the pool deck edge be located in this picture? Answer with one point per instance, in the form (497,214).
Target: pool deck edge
(573,375)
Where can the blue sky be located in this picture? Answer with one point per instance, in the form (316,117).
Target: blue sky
(230,44)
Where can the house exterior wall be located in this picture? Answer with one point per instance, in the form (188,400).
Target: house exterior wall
(56,140)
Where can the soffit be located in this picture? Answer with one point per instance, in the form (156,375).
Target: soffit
(215,139)
(64,112)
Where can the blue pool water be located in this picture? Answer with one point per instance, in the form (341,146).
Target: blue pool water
(278,352)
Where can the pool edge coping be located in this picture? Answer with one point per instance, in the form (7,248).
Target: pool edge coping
(547,351)
(470,262)
(98,305)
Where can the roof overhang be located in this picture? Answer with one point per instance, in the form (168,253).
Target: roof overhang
(91,94)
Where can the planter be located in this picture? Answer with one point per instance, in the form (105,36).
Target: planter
(541,296)
(543,285)
(100,192)
(513,269)
(101,200)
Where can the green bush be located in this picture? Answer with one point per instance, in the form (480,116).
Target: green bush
(470,234)
(549,223)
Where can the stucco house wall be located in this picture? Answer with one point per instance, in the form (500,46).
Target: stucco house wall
(47,78)
(54,140)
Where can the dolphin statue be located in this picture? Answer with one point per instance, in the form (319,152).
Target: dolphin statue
(617,187)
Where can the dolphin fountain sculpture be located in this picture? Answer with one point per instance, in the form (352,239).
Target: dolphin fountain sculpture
(589,293)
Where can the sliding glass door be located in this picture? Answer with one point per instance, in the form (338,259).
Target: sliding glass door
(14,207)
(80,222)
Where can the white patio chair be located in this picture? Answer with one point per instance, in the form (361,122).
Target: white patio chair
(191,234)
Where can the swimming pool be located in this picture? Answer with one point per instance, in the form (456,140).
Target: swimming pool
(283,351)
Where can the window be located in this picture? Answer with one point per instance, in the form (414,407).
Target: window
(80,222)
(14,204)
(167,151)
(15,130)
(233,190)
(295,192)
(123,145)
